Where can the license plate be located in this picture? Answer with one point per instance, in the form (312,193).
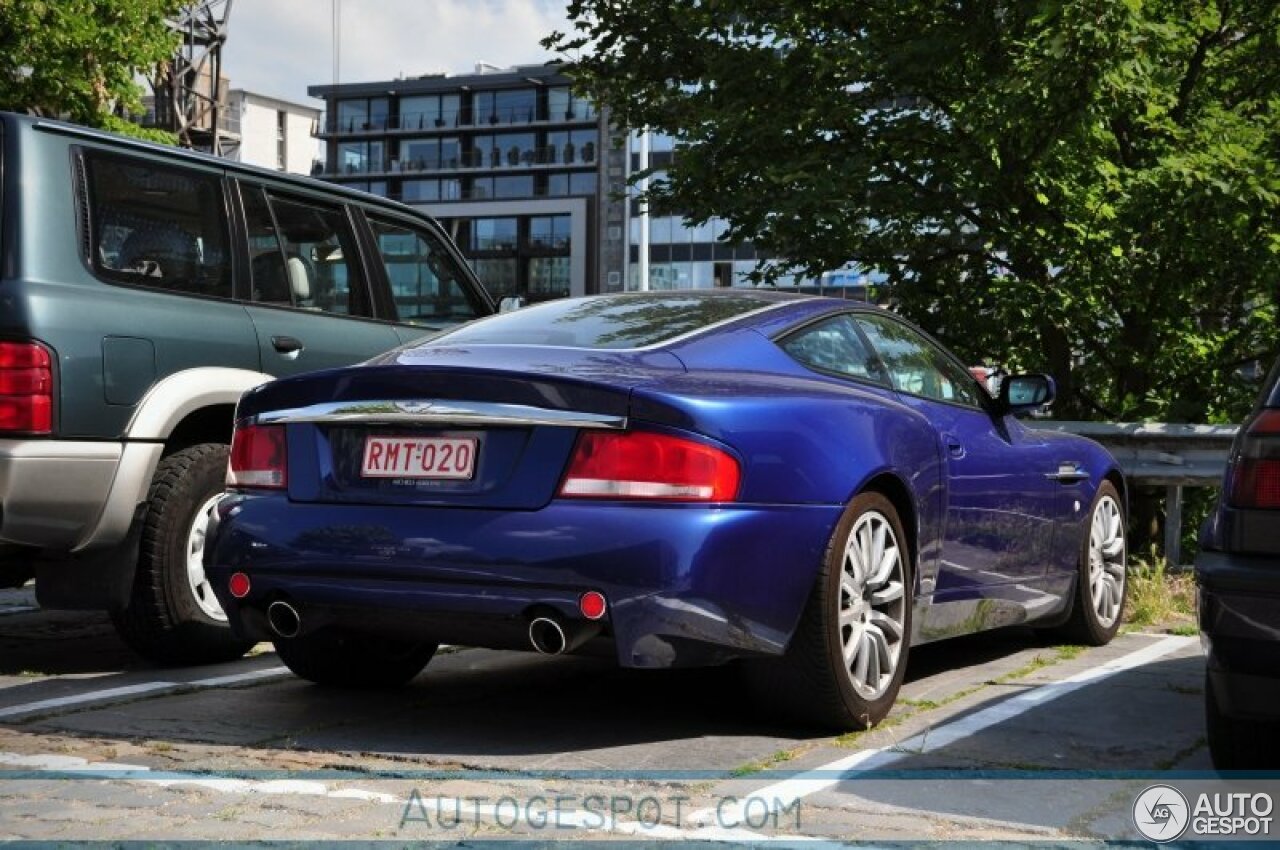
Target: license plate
(419,457)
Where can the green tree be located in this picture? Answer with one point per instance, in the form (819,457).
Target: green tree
(78,59)
(1088,187)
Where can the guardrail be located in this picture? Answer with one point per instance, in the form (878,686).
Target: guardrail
(1158,454)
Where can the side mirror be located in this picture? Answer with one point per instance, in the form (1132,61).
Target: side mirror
(510,303)
(1023,394)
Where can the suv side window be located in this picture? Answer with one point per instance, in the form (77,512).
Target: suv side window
(427,285)
(834,345)
(158,226)
(916,366)
(302,254)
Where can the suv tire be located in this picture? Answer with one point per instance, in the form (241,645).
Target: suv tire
(165,620)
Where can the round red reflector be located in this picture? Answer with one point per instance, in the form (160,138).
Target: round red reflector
(592,605)
(239,585)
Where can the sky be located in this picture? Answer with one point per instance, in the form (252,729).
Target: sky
(279,47)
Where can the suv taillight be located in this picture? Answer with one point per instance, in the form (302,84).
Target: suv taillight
(1255,467)
(258,457)
(646,465)
(26,388)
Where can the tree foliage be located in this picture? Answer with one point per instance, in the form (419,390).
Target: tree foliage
(78,59)
(1087,186)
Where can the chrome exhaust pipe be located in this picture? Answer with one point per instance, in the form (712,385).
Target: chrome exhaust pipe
(553,636)
(547,636)
(284,619)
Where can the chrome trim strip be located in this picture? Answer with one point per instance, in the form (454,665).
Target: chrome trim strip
(438,412)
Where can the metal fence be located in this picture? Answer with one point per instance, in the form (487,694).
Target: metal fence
(1157,454)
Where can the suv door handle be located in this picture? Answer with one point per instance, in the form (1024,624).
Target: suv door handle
(289,346)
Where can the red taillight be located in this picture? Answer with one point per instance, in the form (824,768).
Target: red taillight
(26,388)
(1255,468)
(258,457)
(646,465)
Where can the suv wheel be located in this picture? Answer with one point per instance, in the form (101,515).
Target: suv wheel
(173,616)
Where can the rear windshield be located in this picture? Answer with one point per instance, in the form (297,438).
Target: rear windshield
(617,321)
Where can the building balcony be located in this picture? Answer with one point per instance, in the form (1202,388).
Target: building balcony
(496,159)
(428,122)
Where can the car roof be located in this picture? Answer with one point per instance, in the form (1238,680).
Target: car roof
(143,146)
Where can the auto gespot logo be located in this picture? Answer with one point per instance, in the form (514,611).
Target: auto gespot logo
(1163,813)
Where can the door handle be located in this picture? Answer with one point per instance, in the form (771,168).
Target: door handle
(1068,472)
(954,447)
(289,346)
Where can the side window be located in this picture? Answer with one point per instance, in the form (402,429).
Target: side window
(302,254)
(834,345)
(915,365)
(159,226)
(427,285)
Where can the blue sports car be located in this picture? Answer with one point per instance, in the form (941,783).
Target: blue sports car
(670,479)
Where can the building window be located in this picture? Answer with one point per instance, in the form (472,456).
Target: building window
(564,105)
(493,234)
(548,277)
(549,231)
(573,146)
(513,187)
(282,139)
(360,158)
(517,106)
(497,275)
(582,183)
(420,190)
(356,116)
(426,112)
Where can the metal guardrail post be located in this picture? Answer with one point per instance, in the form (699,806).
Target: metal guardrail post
(1173,524)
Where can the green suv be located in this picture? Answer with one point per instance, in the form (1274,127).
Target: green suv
(142,290)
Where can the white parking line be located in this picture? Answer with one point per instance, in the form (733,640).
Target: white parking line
(782,795)
(109,694)
(18,609)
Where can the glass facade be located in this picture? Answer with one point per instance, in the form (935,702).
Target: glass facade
(492,138)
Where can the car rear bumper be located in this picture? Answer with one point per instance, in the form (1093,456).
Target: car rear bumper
(52,491)
(1240,623)
(685,584)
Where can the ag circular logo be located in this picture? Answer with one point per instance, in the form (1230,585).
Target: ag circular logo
(1161,813)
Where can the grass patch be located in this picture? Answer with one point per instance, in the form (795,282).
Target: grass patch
(1158,597)
(780,757)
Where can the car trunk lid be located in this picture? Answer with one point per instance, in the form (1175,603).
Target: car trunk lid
(377,434)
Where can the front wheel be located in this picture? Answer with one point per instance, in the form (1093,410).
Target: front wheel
(347,660)
(846,661)
(172,616)
(1102,584)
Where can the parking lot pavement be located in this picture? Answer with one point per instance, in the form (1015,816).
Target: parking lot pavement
(97,744)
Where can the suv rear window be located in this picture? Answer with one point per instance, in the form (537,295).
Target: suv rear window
(158,226)
(608,322)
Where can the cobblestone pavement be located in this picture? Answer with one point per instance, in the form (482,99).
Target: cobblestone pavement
(96,744)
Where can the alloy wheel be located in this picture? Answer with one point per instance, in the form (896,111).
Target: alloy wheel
(872,605)
(1106,561)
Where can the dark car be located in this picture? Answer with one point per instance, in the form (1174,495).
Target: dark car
(144,289)
(669,479)
(1238,572)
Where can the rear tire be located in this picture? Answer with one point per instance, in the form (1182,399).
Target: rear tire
(172,617)
(347,660)
(1236,743)
(846,660)
(1102,586)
